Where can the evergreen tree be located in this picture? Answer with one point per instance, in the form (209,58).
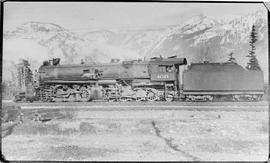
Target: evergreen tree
(25,75)
(231,58)
(29,73)
(253,63)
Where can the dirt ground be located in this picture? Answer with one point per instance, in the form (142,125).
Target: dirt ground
(141,135)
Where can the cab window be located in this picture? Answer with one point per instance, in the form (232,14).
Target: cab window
(165,68)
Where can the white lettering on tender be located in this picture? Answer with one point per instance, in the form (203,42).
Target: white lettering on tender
(162,76)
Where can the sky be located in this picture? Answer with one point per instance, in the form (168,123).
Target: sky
(82,16)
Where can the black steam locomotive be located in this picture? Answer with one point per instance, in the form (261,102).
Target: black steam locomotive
(154,80)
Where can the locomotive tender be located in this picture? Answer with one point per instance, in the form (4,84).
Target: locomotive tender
(154,80)
(222,82)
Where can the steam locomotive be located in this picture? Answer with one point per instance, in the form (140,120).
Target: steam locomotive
(154,80)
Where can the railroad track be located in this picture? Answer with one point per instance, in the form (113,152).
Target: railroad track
(104,103)
(96,106)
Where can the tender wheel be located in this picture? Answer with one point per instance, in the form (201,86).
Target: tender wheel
(236,98)
(140,99)
(256,98)
(125,99)
(112,100)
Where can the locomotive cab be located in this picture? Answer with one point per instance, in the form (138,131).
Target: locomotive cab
(166,72)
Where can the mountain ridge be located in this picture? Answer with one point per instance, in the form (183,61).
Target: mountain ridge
(198,39)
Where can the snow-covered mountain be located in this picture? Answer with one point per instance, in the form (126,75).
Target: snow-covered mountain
(59,42)
(99,36)
(200,38)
